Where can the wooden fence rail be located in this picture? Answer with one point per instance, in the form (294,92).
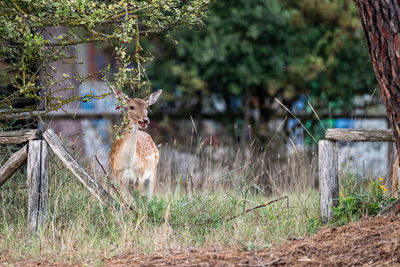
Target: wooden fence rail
(328,162)
(66,157)
(19,137)
(13,163)
(36,153)
(359,135)
(116,115)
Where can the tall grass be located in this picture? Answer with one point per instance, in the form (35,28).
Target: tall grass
(264,170)
(203,199)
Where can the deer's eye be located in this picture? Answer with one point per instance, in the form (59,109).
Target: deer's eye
(132,107)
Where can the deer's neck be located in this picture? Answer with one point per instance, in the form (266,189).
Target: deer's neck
(130,142)
(131,131)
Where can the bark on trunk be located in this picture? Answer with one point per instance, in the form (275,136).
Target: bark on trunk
(381,22)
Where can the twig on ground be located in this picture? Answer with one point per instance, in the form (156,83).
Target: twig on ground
(260,206)
(209,221)
(274,261)
(249,250)
(258,259)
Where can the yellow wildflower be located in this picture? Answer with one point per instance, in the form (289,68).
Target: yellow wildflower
(340,195)
(380,179)
(384,188)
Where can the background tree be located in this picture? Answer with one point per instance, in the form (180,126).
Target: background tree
(30,41)
(260,50)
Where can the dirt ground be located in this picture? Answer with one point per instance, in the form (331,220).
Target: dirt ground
(373,242)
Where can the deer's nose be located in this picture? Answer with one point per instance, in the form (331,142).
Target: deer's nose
(146,120)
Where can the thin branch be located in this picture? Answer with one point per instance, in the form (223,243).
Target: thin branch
(83,41)
(162,29)
(112,186)
(210,221)
(8,45)
(104,37)
(258,207)
(99,37)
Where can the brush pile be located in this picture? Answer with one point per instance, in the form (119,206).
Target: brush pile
(369,242)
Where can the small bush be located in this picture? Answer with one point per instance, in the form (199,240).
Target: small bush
(360,198)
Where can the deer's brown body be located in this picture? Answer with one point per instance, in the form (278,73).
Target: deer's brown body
(134,157)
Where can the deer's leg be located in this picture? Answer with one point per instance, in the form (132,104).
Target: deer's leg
(140,183)
(125,185)
(149,185)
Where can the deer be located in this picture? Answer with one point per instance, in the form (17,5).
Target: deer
(134,157)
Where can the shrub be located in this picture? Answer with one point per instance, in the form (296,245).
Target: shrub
(360,198)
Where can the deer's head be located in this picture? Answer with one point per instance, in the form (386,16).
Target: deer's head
(138,109)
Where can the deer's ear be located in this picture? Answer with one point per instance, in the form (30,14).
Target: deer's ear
(153,97)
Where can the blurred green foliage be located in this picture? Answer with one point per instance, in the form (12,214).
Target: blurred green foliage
(284,49)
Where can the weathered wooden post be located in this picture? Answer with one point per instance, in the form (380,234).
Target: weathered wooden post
(328,177)
(37,184)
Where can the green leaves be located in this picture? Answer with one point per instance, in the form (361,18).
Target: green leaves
(37,33)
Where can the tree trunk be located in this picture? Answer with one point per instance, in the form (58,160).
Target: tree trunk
(381,23)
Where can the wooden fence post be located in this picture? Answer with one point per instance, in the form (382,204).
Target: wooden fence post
(37,184)
(328,177)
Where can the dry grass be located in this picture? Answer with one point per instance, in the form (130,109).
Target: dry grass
(265,170)
(198,193)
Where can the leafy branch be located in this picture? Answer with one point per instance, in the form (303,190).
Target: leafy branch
(35,34)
